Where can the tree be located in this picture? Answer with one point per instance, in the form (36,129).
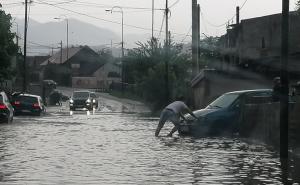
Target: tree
(298,5)
(8,48)
(145,67)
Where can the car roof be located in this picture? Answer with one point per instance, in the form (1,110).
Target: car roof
(29,95)
(250,91)
(82,91)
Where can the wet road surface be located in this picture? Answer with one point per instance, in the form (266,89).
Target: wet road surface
(111,147)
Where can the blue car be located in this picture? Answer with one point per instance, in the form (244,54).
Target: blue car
(221,117)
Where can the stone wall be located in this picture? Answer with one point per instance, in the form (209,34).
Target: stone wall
(261,122)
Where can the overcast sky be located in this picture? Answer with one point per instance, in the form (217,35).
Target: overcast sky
(138,13)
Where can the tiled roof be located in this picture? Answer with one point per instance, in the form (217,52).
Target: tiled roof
(55,59)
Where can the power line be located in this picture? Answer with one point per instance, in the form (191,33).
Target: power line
(105,20)
(220,25)
(188,33)
(174,4)
(161,27)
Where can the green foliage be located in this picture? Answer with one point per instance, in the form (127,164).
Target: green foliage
(210,51)
(145,67)
(8,48)
(298,5)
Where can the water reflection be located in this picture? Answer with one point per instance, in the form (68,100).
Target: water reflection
(116,148)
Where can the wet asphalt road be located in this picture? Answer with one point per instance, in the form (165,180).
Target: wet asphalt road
(113,146)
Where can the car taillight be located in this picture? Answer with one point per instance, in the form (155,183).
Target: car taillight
(2,106)
(36,106)
(17,103)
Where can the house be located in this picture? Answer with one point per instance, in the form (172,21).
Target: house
(102,78)
(71,62)
(256,43)
(33,64)
(80,67)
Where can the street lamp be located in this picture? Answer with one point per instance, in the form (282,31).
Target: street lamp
(67,21)
(122,43)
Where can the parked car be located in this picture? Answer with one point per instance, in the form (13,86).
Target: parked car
(83,99)
(28,104)
(222,115)
(6,109)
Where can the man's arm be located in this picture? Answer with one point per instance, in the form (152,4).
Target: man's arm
(191,113)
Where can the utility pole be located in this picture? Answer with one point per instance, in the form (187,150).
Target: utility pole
(237,15)
(67,39)
(167,54)
(61,52)
(25,45)
(284,101)
(194,38)
(152,19)
(198,32)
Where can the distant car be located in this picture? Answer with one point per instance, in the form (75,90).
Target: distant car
(50,83)
(222,115)
(83,99)
(6,109)
(28,104)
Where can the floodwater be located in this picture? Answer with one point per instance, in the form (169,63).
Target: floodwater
(120,148)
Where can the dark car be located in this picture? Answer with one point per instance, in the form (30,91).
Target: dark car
(6,109)
(84,100)
(222,115)
(28,104)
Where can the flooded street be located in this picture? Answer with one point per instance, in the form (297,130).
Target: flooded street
(120,148)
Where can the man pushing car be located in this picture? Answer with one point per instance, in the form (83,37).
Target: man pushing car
(173,112)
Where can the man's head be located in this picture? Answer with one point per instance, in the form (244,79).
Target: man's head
(276,80)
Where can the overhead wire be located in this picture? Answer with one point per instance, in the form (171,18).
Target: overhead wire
(225,23)
(105,20)
(161,27)
(188,33)
(174,4)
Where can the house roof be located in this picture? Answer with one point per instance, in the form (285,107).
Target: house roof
(55,59)
(36,60)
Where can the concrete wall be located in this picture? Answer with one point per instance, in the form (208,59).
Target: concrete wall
(84,82)
(261,122)
(261,37)
(214,84)
(103,80)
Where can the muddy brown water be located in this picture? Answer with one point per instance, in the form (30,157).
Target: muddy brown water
(119,148)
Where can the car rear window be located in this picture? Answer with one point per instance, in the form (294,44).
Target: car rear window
(27,99)
(80,94)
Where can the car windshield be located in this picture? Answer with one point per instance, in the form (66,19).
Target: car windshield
(27,99)
(80,95)
(223,101)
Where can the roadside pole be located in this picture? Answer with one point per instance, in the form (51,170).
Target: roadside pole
(25,45)
(194,38)
(61,52)
(284,108)
(284,100)
(167,55)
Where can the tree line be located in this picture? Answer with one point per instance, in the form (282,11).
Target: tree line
(8,48)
